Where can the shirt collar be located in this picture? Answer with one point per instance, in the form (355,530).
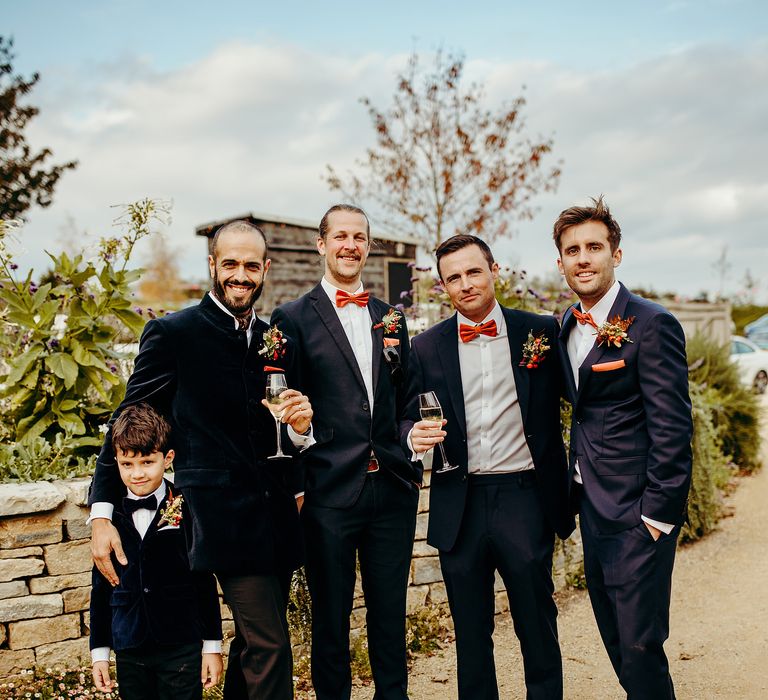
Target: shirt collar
(331,290)
(600,311)
(159,493)
(229,313)
(496,314)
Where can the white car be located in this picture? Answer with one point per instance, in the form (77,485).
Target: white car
(752,363)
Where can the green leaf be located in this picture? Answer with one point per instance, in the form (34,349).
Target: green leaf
(71,423)
(68,404)
(36,429)
(41,295)
(63,366)
(47,312)
(25,319)
(131,319)
(21,365)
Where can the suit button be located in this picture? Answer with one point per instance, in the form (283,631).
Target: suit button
(463,477)
(578,422)
(365,405)
(146,590)
(266,494)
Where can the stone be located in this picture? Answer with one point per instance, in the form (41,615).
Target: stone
(13,589)
(2,635)
(11,569)
(72,653)
(68,557)
(54,584)
(228,628)
(421,526)
(76,599)
(21,552)
(426,570)
(23,499)
(422,549)
(77,529)
(357,619)
(75,490)
(30,531)
(416,599)
(498,583)
(423,501)
(28,634)
(502,602)
(13,662)
(30,607)
(437,594)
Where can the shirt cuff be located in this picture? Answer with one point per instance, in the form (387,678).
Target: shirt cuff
(299,495)
(211,646)
(102,509)
(302,442)
(666,528)
(100,654)
(415,456)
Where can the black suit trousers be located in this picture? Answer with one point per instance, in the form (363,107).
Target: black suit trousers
(629,579)
(378,531)
(158,672)
(504,529)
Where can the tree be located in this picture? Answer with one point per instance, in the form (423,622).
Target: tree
(24,179)
(161,281)
(443,163)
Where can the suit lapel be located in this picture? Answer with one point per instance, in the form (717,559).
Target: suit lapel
(324,309)
(377,341)
(448,353)
(516,336)
(565,362)
(593,357)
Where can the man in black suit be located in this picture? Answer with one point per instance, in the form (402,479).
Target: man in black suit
(630,453)
(361,491)
(496,375)
(202,367)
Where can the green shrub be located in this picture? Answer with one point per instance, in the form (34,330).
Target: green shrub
(50,684)
(41,460)
(735,408)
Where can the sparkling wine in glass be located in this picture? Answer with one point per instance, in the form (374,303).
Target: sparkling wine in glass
(276,385)
(430,409)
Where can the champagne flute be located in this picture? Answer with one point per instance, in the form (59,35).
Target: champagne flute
(276,385)
(430,409)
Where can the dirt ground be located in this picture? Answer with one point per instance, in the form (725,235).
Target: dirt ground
(718,646)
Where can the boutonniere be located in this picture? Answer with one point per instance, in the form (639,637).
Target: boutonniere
(171,514)
(535,349)
(274,344)
(614,331)
(390,322)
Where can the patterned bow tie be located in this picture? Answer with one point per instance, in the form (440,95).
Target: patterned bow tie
(131,505)
(243,322)
(584,318)
(467,332)
(343,298)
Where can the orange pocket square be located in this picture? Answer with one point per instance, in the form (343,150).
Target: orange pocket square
(391,342)
(608,366)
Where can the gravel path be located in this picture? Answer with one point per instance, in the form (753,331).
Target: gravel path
(718,647)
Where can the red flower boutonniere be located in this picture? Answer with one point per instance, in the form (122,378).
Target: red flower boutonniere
(390,323)
(274,344)
(614,331)
(535,349)
(171,514)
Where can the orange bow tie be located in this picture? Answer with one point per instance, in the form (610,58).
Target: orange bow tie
(467,332)
(584,318)
(343,298)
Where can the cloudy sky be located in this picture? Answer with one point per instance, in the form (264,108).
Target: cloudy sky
(234,107)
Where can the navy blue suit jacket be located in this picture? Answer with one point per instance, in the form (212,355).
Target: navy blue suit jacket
(159,599)
(344,429)
(434,366)
(631,428)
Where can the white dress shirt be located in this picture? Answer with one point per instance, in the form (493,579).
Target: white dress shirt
(580,341)
(356,322)
(495,434)
(142,518)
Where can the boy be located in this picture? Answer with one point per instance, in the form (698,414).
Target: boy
(160,612)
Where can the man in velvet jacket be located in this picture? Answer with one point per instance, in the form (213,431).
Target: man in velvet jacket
(201,367)
(361,491)
(626,375)
(496,374)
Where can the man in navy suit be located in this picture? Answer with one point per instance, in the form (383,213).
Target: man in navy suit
(496,374)
(361,491)
(630,452)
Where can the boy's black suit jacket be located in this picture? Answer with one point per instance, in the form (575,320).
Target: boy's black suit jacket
(344,429)
(435,367)
(159,599)
(199,371)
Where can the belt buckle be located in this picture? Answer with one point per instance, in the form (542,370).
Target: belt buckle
(373,465)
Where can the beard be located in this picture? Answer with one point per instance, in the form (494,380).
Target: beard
(238,307)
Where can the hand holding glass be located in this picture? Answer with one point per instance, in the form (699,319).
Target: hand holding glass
(430,410)
(276,385)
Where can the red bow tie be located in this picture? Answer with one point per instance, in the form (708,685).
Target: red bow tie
(343,298)
(467,332)
(584,318)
